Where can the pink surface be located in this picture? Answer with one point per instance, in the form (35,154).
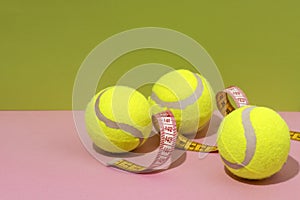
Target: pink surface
(43,158)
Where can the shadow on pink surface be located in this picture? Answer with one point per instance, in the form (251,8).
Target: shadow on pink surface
(288,171)
(176,162)
(151,144)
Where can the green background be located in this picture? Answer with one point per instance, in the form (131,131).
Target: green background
(255,44)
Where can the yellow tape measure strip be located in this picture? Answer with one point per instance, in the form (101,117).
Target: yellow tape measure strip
(128,166)
(189,145)
(295,135)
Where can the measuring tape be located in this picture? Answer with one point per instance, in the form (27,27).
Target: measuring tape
(225,106)
(170,139)
(189,145)
(295,135)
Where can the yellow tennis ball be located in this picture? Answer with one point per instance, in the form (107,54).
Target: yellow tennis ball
(117,119)
(188,95)
(253,142)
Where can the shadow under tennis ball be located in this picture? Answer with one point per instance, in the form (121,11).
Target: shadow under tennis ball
(288,171)
(175,162)
(212,127)
(113,155)
(178,156)
(150,145)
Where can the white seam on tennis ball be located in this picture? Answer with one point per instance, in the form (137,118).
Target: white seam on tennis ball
(185,102)
(249,133)
(111,124)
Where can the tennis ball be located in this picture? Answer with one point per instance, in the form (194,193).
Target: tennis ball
(117,119)
(189,97)
(253,142)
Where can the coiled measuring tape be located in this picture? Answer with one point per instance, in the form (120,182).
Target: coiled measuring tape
(168,137)
(171,139)
(225,106)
